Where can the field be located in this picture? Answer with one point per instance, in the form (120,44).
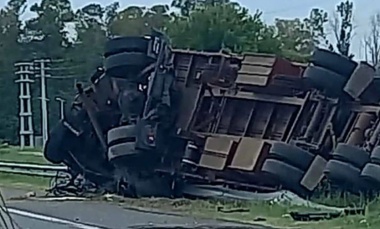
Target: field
(263,213)
(26,155)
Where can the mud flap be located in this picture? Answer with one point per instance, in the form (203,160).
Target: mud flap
(56,147)
(359,80)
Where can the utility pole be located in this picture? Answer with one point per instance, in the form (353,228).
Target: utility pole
(61,102)
(25,71)
(44,107)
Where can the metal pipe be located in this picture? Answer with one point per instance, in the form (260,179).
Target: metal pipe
(362,123)
(314,120)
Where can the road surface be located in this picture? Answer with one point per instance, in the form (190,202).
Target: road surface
(87,215)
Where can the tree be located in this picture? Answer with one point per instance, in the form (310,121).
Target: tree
(216,27)
(299,37)
(342,27)
(46,32)
(135,21)
(372,41)
(187,6)
(10,52)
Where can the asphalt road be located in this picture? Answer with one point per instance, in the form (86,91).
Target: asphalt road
(30,223)
(103,215)
(87,215)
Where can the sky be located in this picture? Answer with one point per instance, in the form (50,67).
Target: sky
(276,9)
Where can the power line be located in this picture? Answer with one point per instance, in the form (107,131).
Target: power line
(291,8)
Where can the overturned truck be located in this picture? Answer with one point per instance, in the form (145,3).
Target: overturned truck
(156,119)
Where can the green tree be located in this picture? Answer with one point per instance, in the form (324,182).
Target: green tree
(10,52)
(299,37)
(136,21)
(46,36)
(216,27)
(46,31)
(187,6)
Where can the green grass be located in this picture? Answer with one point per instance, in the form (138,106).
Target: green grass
(255,212)
(26,155)
(264,213)
(23,181)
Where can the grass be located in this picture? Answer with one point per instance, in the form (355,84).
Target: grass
(263,213)
(26,155)
(23,181)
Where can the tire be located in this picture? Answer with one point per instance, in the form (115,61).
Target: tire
(119,65)
(121,150)
(324,80)
(288,175)
(375,155)
(371,173)
(292,155)
(126,44)
(153,187)
(121,134)
(342,173)
(351,154)
(333,62)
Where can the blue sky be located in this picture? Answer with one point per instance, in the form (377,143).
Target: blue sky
(276,9)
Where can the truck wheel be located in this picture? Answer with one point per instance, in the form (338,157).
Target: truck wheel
(343,174)
(333,62)
(121,134)
(375,155)
(119,65)
(371,173)
(286,174)
(351,154)
(293,155)
(121,150)
(126,44)
(324,80)
(153,187)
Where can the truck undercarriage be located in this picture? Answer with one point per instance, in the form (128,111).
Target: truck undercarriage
(155,119)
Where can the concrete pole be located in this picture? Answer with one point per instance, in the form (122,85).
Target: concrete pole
(25,72)
(44,107)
